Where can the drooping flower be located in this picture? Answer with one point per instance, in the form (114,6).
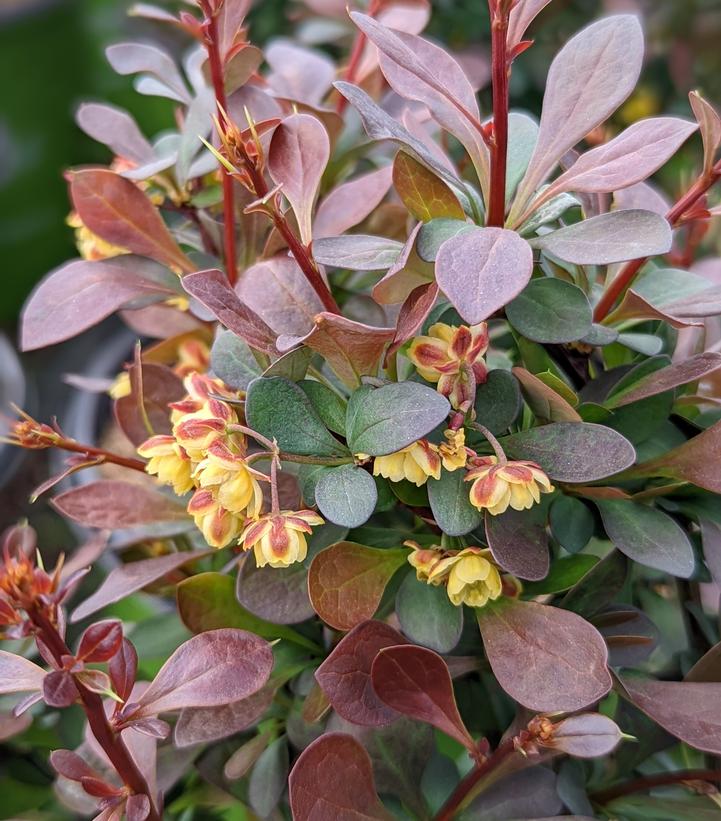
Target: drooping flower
(424,560)
(232,481)
(90,246)
(452,357)
(168,461)
(454,452)
(415,463)
(496,487)
(279,539)
(470,577)
(217,524)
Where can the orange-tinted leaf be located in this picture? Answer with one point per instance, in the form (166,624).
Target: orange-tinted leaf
(415,681)
(333,778)
(118,211)
(346,582)
(424,194)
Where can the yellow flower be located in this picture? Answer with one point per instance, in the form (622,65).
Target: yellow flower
(202,391)
(453,452)
(424,560)
(497,487)
(278,539)
(167,461)
(415,463)
(452,357)
(121,386)
(218,525)
(232,481)
(90,246)
(193,355)
(470,577)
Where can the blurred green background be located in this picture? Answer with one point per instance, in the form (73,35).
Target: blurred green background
(51,58)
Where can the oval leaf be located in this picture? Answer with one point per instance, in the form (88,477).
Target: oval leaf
(18,675)
(451,505)
(427,616)
(551,310)
(589,735)
(346,495)
(425,195)
(276,594)
(519,542)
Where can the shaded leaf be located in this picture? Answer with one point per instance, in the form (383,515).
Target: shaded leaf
(498,401)
(214,668)
(571,522)
(329,405)
(268,777)
(346,495)
(522,794)
(547,659)
(346,582)
(198,725)
(276,594)
(563,574)
(630,634)
(427,616)
(551,310)
(710,125)
(451,504)
(416,682)
(144,411)
(297,157)
(232,360)
(129,578)
(345,676)
(110,503)
(483,269)
(519,542)
(600,585)
(333,778)
(544,402)
(118,211)
(573,451)
(648,536)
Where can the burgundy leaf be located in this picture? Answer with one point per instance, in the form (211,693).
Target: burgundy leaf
(415,681)
(710,125)
(589,78)
(118,211)
(95,680)
(350,203)
(101,641)
(18,675)
(589,735)
(70,765)
(153,387)
(115,128)
(519,543)
(123,669)
(276,594)
(214,668)
(129,578)
(298,155)
(483,269)
(547,659)
(690,711)
(59,689)
(197,725)
(98,787)
(345,676)
(110,503)
(333,778)
(413,313)
(78,295)
(212,289)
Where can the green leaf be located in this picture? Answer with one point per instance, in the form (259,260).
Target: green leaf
(268,777)
(391,417)
(498,401)
(292,365)
(571,523)
(207,602)
(278,409)
(424,194)
(434,233)
(450,503)
(328,405)
(551,310)
(648,536)
(232,360)
(564,573)
(599,586)
(346,495)
(427,616)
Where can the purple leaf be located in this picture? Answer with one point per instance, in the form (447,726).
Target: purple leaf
(631,157)
(522,15)
(345,676)
(351,202)
(209,670)
(59,689)
(78,295)
(547,659)
(136,58)
(588,80)
(690,711)
(212,289)
(607,238)
(18,675)
(276,594)
(333,778)
(415,681)
(101,641)
(152,388)
(110,503)
(359,252)
(277,290)
(115,128)
(483,269)
(519,543)
(123,668)
(413,313)
(299,74)
(589,735)
(297,158)
(70,765)
(197,725)
(129,578)
(710,125)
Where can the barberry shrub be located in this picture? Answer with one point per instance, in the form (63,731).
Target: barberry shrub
(423,436)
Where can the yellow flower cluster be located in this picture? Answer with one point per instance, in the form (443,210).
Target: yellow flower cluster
(202,453)
(422,460)
(470,575)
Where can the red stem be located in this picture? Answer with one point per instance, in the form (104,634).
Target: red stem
(109,740)
(625,276)
(456,801)
(355,58)
(500,72)
(106,455)
(216,71)
(647,782)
